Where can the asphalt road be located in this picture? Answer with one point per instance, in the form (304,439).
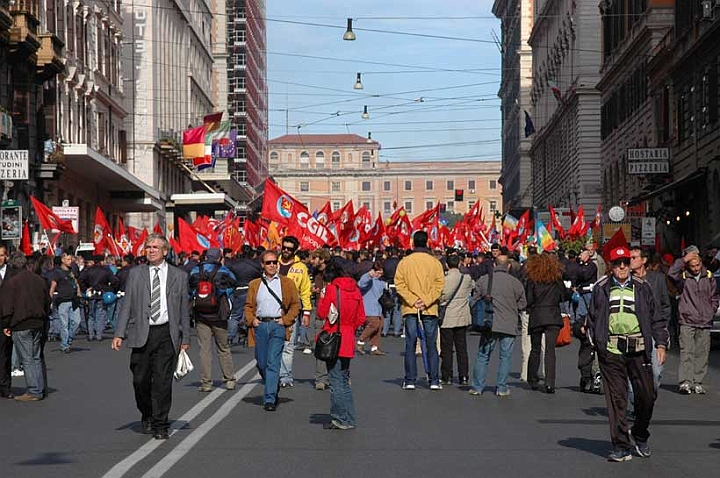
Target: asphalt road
(89,426)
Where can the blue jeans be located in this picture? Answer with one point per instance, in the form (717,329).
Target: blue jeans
(485,349)
(287,356)
(28,345)
(393,317)
(342,406)
(581,307)
(97,318)
(430,327)
(69,321)
(237,315)
(269,341)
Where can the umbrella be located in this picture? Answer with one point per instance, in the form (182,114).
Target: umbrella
(423,346)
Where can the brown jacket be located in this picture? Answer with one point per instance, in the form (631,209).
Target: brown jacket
(291,306)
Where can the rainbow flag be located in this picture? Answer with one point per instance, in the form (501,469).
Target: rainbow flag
(545,242)
(510,222)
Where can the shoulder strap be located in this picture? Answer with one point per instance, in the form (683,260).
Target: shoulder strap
(490,282)
(272,293)
(337,293)
(462,278)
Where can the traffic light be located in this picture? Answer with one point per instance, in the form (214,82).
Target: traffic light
(459,193)
(443,207)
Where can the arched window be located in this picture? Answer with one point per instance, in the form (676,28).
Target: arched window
(320,160)
(304,160)
(274,157)
(335,159)
(366,160)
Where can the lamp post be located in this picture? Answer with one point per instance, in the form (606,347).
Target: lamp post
(365,114)
(358,83)
(349,34)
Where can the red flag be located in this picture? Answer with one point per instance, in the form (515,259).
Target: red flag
(344,217)
(617,240)
(157,229)
(25,242)
(194,143)
(278,205)
(555,223)
(213,118)
(427,218)
(579,226)
(49,220)
(309,231)
(138,245)
(378,235)
(598,217)
(101,232)
(190,239)
(522,231)
(232,238)
(121,238)
(325,214)
(250,230)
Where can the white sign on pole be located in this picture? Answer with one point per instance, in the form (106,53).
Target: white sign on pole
(14,165)
(72,213)
(648,231)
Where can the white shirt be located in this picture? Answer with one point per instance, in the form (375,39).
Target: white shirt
(3,271)
(163,291)
(267,305)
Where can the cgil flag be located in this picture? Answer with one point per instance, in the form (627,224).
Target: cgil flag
(49,220)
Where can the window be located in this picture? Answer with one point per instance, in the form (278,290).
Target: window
(471,204)
(493,207)
(335,186)
(387,207)
(366,185)
(471,184)
(428,185)
(336,205)
(428,205)
(408,185)
(450,185)
(450,206)
(408,207)
(335,160)
(366,160)
(366,205)
(304,160)
(290,158)
(274,157)
(304,186)
(386,186)
(492,184)
(320,160)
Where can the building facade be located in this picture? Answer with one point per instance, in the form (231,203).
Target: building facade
(517,21)
(338,168)
(565,153)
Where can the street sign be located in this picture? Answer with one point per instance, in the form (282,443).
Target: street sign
(648,160)
(647,237)
(14,165)
(649,167)
(72,213)
(10,215)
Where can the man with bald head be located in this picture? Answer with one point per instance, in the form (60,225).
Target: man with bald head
(698,302)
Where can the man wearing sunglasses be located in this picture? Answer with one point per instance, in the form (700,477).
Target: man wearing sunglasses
(271,307)
(626,328)
(293,268)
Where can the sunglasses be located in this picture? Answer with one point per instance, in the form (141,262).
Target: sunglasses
(286,248)
(268,263)
(620,262)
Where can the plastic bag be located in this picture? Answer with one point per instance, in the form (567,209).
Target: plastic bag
(184,365)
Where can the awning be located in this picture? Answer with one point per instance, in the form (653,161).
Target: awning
(203,200)
(128,193)
(688,178)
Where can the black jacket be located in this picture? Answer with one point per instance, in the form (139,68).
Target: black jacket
(99,278)
(246,270)
(543,303)
(24,301)
(652,323)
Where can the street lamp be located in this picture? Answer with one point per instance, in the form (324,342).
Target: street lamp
(365,114)
(349,34)
(358,83)
(369,138)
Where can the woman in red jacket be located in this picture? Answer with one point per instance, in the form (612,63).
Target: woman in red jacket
(343,290)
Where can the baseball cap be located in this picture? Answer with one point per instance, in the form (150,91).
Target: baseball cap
(213,254)
(690,249)
(619,253)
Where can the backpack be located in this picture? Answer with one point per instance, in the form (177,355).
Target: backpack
(205,299)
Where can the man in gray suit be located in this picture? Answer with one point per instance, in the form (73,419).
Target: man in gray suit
(155,322)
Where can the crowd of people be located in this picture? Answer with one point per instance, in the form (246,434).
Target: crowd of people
(625,314)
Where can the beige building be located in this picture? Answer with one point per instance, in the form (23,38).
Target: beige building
(341,167)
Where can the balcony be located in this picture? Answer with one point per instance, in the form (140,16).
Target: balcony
(23,33)
(6,21)
(49,57)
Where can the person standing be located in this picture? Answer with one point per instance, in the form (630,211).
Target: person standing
(453,330)
(698,302)
(341,290)
(24,309)
(392,316)
(545,292)
(210,285)
(66,296)
(272,306)
(6,343)
(246,267)
(371,287)
(319,259)
(95,281)
(419,281)
(623,324)
(155,323)
(508,300)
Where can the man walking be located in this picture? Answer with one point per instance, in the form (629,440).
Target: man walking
(508,300)
(66,296)
(697,305)
(24,309)
(6,343)
(97,280)
(246,267)
(272,306)
(155,321)
(419,282)
(623,324)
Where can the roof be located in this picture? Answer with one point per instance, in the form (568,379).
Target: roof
(319,139)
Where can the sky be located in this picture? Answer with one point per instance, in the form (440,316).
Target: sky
(429,99)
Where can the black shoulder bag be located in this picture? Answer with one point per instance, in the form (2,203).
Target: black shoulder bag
(272,293)
(327,345)
(482,317)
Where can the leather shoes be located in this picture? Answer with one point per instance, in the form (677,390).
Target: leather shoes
(162,435)
(549,389)
(270,407)
(8,395)
(147,427)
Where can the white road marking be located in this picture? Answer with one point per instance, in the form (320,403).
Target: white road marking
(124,466)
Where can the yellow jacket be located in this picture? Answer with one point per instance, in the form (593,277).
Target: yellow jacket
(301,277)
(419,276)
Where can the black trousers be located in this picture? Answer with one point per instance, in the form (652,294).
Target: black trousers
(536,334)
(6,346)
(615,370)
(586,357)
(453,339)
(152,367)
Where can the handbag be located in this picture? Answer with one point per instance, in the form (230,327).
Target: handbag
(184,365)
(482,316)
(565,335)
(443,308)
(387,301)
(327,344)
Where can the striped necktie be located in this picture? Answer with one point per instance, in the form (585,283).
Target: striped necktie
(155,297)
